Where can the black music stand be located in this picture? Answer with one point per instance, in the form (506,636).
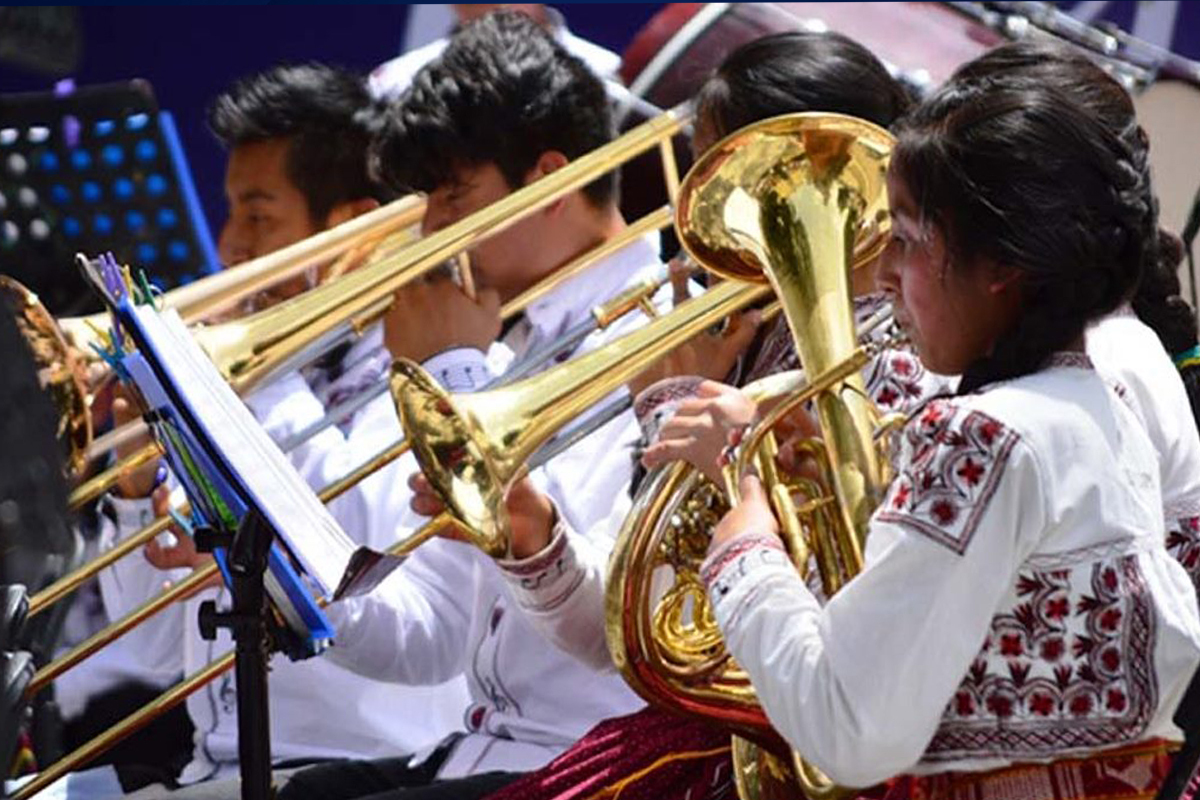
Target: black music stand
(250,622)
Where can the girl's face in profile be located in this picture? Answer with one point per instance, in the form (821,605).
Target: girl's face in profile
(952,313)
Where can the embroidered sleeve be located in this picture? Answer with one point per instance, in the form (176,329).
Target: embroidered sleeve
(733,572)
(954,460)
(1183,542)
(544,581)
(460,369)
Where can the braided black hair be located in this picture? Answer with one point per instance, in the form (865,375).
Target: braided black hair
(1016,172)
(503,92)
(1158,300)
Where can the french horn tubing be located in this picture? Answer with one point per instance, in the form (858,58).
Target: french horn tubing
(790,200)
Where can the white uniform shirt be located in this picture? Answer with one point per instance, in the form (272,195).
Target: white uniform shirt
(1017,603)
(391,78)
(148,654)
(318,709)
(447,607)
(1127,349)
(562,589)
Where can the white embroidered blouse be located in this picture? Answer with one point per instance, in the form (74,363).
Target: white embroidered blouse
(1017,604)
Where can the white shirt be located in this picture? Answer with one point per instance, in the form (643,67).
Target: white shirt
(391,78)
(318,709)
(563,588)
(148,654)
(447,607)
(1017,603)
(1127,349)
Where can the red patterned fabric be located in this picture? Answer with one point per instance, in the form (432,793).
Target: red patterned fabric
(1068,668)
(1130,773)
(1183,542)
(649,755)
(955,460)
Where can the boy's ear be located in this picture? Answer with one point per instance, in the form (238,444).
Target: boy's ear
(548,162)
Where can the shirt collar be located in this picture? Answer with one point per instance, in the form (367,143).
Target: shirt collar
(574,300)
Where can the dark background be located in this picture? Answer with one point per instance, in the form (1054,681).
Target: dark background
(190,53)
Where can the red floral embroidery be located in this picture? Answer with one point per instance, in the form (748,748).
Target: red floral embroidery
(1072,667)
(897,381)
(1183,542)
(954,459)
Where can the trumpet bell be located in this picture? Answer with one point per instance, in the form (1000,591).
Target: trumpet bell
(753,181)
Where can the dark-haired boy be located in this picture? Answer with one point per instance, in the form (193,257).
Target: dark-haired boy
(503,106)
(298,138)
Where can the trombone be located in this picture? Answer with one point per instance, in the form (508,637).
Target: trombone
(364,292)
(384,230)
(269,342)
(276,340)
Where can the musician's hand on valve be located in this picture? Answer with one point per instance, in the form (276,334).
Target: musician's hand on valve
(430,317)
(699,430)
(752,515)
(796,427)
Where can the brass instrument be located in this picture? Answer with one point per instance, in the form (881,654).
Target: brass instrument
(63,348)
(359,295)
(339,301)
(283,337)
(783,200)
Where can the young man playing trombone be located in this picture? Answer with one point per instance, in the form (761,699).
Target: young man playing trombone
(501,108)
(297,166)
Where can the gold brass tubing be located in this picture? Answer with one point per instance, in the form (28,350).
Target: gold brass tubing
(79,652)
(670,169)
(838,372)
(180,590)
(655,220)
(72,581)
(58,666)
(315,314)
(181,691)
(94,487)
(377,462)
(117,437)
(218,292)
(126,727)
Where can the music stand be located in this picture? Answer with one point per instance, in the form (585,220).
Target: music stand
(275,543)
(96,169)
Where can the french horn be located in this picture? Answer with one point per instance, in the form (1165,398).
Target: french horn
(791,201)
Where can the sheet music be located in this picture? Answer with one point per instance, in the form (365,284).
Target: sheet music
(271,483)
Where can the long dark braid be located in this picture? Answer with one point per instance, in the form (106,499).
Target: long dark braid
(1158,300)
(1016,172)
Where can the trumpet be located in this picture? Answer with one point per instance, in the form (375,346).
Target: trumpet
(359,293)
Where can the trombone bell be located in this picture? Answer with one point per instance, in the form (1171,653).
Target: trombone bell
(455,453)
